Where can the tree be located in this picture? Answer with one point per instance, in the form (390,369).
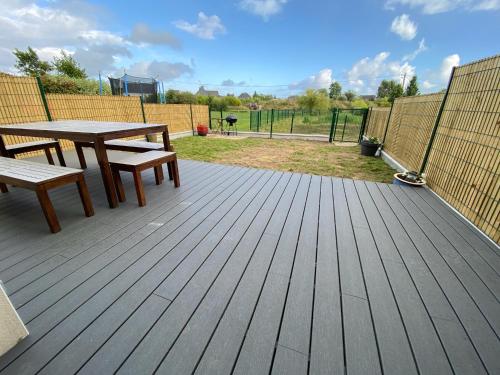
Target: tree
(313,99)
(67,65)
(412,88)
(396,92)
(385,88)
(350,95)
(390,89)
(335,90)
(30,64)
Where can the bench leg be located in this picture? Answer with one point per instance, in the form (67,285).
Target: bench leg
(139,188)
(85,196)
(170,175)
(158,174)
(175,172)
(119,185)
(81,155)
(48,210)
(60,155)
(3,188)
(49,156)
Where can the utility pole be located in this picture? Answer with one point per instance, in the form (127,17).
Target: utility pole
(404,81)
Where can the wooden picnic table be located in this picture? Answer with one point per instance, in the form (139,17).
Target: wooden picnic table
(88,131)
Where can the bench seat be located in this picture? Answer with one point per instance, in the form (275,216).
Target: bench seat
(139,162)
(19,148)
(118,145)
(40,178)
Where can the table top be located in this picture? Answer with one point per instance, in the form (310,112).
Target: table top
(80,129)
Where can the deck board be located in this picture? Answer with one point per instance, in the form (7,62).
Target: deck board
(250,271)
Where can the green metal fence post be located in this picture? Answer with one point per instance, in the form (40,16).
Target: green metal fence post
(387,124)
(142,109)
(343,130)
(191,112)
(272,121)
(291,123)
(44,99)
(436,124)
(334,115)
(336,122)
(209,117)
(363,124)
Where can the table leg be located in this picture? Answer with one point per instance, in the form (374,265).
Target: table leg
(107,176)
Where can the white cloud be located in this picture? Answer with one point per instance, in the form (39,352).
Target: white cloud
(447,65)
(404,27)
(367,73)
(421,48)
(487,5)
(142,34)
(427,85)
(322,80)
(162,70)
(263,8)
(441,6)
(206,27)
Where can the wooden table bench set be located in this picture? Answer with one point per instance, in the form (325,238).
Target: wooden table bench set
(101,136)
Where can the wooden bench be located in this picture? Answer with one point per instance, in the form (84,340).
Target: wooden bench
(140,162)
(46,145)
(118,145)
(41,178)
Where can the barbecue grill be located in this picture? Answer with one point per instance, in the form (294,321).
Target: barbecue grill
(231,124)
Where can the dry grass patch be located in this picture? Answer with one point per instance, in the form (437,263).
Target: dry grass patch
(311,157)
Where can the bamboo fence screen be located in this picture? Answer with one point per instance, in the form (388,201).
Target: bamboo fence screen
(178,116)
(21,101)
(464,163)
(377,120)
(410,127)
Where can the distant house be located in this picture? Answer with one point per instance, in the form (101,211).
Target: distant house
(368,97)
(203,92)
(244,95)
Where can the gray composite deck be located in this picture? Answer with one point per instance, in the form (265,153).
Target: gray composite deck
(250,271)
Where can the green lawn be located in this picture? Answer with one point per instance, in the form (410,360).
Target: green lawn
(319,158)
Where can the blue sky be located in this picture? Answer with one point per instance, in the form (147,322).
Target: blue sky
(279,47)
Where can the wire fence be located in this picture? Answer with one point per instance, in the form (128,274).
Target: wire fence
(342,125)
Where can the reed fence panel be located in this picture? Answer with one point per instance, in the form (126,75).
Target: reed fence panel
(463,166)
(20,101)
(176,116)
(377,120)
(410,127)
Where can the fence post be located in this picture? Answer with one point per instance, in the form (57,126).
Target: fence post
(363,124)
(191,112)
(258,122)
(44,99)
(334,114)
(388,121)
(142,109)
(291,124)
(209,117)
(272,121)
(436,124)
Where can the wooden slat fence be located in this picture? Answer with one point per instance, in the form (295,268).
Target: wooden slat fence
(464,163)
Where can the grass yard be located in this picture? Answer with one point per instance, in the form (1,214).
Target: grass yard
(319,158)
